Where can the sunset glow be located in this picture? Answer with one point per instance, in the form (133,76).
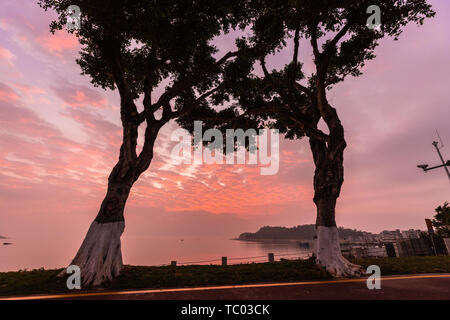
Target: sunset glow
(60,137)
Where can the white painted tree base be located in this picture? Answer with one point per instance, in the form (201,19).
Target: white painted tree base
(100,255)
(328,254)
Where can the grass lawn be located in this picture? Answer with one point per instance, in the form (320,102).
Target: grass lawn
(409,265)
(139,277)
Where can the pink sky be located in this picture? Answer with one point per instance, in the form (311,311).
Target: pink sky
(60,136)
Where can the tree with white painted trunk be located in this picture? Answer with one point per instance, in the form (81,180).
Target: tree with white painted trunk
(135,46)
(342,37)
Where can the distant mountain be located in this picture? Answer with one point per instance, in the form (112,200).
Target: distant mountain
(302,232)
(2,237)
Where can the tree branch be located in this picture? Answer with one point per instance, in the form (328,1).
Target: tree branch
(111,51)
(303,89)
(196,102)
(332,44)
(177,88)
(147,102)
(313,33)
(310,131)
(295,57)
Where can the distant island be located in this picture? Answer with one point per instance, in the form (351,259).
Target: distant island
(2,237)
(301,232)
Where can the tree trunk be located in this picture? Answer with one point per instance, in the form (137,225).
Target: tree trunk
(100,255)
(328,178)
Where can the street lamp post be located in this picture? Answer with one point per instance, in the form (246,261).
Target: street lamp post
(425,168)
(444,164)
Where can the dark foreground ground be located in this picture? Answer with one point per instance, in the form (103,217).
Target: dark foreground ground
(406,287)
(135,278)
(422,287)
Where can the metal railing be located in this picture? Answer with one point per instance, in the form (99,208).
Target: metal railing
(270,257)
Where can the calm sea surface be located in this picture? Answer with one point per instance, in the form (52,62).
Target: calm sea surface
(29,254)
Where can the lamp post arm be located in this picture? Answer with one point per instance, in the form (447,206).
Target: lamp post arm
(439,166)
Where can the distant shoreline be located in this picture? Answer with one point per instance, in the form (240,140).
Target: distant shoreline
(301,233)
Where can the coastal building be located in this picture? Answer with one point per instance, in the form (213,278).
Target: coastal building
(386,235)
(376,252)
(412,247)
(369,251)
(411,234)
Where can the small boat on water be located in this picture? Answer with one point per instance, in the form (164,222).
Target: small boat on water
(7,243)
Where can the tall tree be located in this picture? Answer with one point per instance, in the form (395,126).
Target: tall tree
(136,46)
(341,41)
(441,220)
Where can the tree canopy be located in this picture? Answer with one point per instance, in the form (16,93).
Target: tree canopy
(441,220)
(136,46)
(341,43)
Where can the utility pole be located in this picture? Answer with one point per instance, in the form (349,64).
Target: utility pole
(444,164)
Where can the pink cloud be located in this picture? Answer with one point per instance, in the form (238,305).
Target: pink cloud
(58,43)
(28,89)
(101,132)
(79,95)
(35,158)
(6,57)
(18,119)
(28,26)
(7,94)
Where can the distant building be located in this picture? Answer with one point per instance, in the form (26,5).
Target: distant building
(363,251)
(369,237)
(406,243)
(411,234)
(412,247)
(390,236)
(376,251)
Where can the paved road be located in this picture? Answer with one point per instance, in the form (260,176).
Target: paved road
(433,286)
